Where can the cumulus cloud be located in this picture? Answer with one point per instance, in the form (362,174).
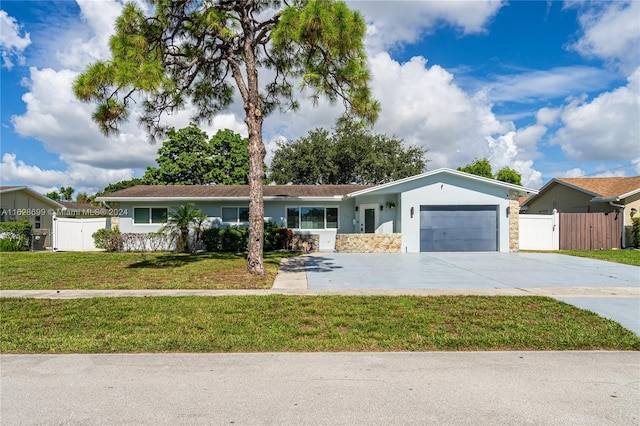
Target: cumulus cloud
(392,23)
(64,125)
(425,107)
(605,128)
(81,177)
(611,33)
(88,40)
(516,150)
(12,40)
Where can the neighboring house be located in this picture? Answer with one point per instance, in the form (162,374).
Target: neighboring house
(589,195)
(22,203)
(441,210)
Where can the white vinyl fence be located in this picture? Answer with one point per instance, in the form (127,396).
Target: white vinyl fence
(539,232)
(76,234)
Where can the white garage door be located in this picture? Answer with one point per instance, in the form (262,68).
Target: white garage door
(459,228)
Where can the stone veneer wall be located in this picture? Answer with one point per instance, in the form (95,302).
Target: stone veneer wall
(368,243)
(514,222)
(115,220)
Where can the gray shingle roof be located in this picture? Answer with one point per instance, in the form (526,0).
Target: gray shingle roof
(233,191)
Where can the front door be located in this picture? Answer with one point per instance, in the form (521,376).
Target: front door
(368,219)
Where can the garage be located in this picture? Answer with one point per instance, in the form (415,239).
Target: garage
(458,228)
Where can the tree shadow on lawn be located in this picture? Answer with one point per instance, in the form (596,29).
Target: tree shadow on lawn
(175,260)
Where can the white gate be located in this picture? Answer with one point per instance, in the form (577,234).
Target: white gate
(76,234)
(539,232)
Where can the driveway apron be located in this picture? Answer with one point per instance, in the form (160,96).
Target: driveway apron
(483,270)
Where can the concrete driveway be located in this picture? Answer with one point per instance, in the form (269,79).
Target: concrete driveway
(609,289)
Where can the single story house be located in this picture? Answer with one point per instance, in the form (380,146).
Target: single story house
(23,203)
(589,195)
(440,210)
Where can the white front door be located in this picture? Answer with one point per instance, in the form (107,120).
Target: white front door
(369,217)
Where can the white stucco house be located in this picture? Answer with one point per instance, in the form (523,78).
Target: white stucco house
(440,210)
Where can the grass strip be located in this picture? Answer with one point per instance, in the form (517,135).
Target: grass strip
(628,257)
(279,323)
(132,271)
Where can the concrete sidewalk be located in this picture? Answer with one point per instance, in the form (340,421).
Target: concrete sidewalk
(452,388)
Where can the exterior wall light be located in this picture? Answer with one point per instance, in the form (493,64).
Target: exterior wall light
(411,212)
(633,211)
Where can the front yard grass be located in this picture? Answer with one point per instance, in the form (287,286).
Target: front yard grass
(278,323)
(629,257)
(95,271)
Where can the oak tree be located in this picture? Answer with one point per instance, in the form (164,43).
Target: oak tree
(483,168)
(197,51)
(351,155)
(189,157)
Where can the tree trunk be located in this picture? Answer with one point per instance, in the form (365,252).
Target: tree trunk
(255,263)
(253,118)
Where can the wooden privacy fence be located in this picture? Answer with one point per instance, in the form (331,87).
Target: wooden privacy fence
(590,231)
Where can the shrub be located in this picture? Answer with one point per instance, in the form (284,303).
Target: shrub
(231,239)
(236,239)
(635,231)
(284,239)
(15,236)
(108,239)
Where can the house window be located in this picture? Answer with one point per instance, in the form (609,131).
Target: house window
(235,215)
(312,217)
(293,217)
(38,222)
(145,215)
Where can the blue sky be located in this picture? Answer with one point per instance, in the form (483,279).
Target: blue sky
(546,87)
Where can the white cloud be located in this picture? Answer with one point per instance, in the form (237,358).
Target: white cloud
(425,107)
(548,84)
(82,178)
(88,40)
(517,150)
(64,125)
(547,116)
(611,33)
(392,23)
(605,128)
(12,43)
(573,173)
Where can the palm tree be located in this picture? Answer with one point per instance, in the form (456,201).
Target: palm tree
(178,223)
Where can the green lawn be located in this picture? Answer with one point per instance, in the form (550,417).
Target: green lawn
(300,323)
(629,257)
(37,271)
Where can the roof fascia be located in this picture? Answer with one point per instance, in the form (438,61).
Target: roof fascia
(36,195)
(546,186)
(629,194)
(12,189)
(495,182)
(333,198)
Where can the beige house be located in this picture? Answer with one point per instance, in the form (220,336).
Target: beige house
(589,195)
(22,203)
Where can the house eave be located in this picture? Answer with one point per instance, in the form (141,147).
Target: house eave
(335,198)
(34,194)
(521,190)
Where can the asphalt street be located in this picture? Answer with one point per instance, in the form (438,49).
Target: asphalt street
(440,388)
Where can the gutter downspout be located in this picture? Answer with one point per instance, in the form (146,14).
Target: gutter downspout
(624,234)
